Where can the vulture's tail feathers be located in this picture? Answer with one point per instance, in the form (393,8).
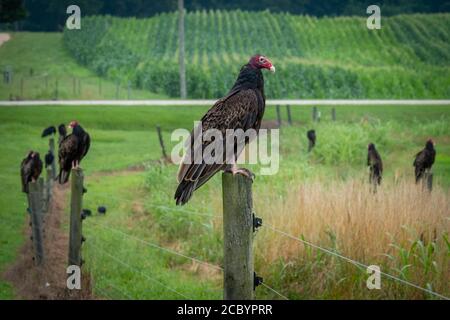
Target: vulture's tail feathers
(184,192)
(63,176)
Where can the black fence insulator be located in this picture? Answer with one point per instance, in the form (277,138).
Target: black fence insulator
(257,280)
(257,223)
(84,190)
(83,239)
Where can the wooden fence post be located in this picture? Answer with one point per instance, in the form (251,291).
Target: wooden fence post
(35,205)
(76,203)
(48,188)
(129,90)
(333,114)
(161,142)
(278,115)
(22,85)
(428,180)
(56,89)
(238,237)
(288,109)
(314,114)
(51,145)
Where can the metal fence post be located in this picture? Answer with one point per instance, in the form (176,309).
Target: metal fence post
(161,141)
(288,109)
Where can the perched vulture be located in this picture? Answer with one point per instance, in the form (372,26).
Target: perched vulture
(311,135)
(375,164)
(49,158)
(48,131)
(72,150)
(242,108)
(30,169)
(424,159)
(62,130)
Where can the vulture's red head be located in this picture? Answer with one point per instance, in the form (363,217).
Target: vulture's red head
(371,146)
(261,62)
(73,124)
(430,143)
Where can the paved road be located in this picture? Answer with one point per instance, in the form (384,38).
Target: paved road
(211,102)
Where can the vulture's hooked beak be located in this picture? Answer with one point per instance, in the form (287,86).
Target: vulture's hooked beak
(272,69)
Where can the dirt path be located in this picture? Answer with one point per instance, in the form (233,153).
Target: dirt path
(49,280)
(4,37)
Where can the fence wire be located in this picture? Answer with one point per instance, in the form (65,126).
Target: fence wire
(354,262)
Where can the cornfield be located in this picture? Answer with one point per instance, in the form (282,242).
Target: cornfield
(315,57)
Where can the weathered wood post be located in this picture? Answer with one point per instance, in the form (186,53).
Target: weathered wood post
(76,203)
(278,115)
(79,87)
(161,142)
(314,114)
(238,237)
(48,188)
(56,89)
(333,114)
(181,51)
(288,109)
(51,145)
(43,197)
(129,90)
(35,205)
(74,86)
(22,85)
(427,180)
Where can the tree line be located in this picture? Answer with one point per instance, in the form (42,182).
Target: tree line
(50,15)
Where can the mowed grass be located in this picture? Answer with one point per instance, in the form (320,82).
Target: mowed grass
(39,60)
(140,203)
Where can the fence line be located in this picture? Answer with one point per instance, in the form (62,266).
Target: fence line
(354,262)
(154,245)
(123,292)
(139,271)
(210,102)
(274,291)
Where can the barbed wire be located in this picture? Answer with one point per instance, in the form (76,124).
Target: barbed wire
(138,271)
(354,262)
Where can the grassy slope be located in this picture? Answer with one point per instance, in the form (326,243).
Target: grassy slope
(126,136)
(45,54)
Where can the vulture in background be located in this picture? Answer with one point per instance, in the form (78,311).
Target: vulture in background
(375,165)
(311,135)
(62,132)
(49,157)
(72,150)
(48,131)
(30,169)
(424,160)
(242,108)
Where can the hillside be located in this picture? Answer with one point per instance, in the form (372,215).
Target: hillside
(315,57)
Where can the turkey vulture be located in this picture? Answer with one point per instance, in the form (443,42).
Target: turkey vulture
(242,108)
(49,158)
(72,150)
(30,169)
(48,131)
(62,130)
(311,135)
(375,164)
(424,159)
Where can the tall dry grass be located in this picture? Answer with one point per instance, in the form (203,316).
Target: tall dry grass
(402,228)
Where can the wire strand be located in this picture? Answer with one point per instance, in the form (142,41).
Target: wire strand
(354,262)
(154,245)
(274,291)
(138,271)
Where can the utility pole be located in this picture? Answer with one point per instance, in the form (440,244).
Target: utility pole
(183,92)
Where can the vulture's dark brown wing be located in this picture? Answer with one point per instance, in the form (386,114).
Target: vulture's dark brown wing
(238,111)
(25,173)
(37,167)
(68,152)
(86,144)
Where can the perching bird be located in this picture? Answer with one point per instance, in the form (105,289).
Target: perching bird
(72,150)
(62,132)
(49,158)
(424,159)
(30,169)
(48,131)
(311,135)
(242,108)
(101,210)
(375,164)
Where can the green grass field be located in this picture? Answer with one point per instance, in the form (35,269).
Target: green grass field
(39,60)
(140,202)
